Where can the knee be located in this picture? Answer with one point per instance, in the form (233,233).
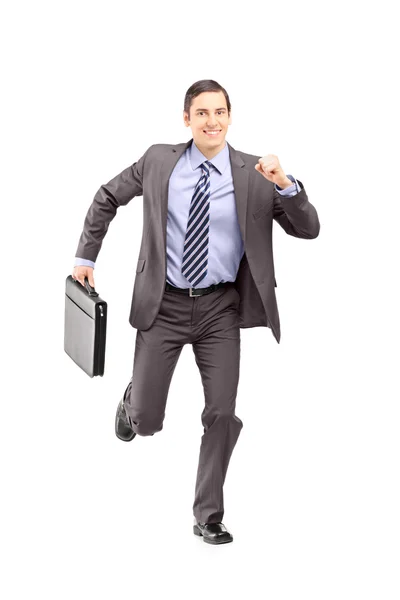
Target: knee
(147,427)
(222,418)
(144,425)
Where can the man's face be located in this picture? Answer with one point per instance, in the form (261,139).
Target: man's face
(208,112)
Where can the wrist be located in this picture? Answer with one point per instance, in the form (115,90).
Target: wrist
(286,183)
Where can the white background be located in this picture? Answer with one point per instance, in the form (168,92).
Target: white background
(312,492)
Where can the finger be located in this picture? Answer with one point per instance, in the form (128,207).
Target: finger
(267,160)
(269,169)
(261,170)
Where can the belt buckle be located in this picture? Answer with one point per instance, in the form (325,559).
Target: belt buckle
(193,295)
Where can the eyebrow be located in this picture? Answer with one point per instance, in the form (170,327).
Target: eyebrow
(206,109)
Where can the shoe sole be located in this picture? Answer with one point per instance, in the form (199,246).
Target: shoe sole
(197,532)
(125,439)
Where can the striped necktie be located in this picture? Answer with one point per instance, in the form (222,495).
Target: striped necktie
(195,250)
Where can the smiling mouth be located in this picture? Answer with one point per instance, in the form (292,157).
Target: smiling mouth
(211,133)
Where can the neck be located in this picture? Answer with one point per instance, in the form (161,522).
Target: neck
(211,152)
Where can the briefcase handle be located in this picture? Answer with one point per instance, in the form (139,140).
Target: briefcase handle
(91,291)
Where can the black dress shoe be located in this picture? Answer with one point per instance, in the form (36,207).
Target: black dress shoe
(123,429)
(212,533)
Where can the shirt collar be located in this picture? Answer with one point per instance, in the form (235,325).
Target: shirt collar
(219,161)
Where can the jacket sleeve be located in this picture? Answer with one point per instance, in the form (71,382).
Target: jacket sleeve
(117,192)
(296,215)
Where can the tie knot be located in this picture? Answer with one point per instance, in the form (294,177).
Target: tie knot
(206,165)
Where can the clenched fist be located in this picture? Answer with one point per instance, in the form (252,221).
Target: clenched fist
(79,274)
(271,169)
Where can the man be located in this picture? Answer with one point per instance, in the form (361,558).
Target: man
(205,270)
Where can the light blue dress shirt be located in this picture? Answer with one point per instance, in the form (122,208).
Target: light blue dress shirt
(225,248)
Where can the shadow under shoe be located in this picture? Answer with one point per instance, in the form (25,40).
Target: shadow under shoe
(212,533)
(123,429)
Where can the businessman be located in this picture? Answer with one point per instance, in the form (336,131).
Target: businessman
(205,269)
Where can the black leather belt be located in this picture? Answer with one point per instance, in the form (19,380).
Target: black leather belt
(196,291)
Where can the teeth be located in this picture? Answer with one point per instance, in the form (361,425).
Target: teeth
(212,132)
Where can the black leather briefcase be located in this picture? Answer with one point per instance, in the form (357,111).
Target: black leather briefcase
(85,326)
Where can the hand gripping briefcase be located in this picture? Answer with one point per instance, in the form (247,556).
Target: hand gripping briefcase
(85,326)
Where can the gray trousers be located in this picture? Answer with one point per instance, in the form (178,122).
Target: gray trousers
(211,324)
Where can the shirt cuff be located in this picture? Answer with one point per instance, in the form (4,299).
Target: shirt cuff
(292,190)
(83,262)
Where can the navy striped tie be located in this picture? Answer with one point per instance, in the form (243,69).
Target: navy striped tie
(195,250)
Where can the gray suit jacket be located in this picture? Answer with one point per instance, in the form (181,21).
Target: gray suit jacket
(257,202)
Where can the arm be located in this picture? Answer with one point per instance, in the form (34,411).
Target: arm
(117,192)
(294,213)
(291,190)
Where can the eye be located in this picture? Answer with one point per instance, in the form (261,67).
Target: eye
(202,112)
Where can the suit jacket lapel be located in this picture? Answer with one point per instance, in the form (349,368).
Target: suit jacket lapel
(171,157)
(240,178)
(240,183)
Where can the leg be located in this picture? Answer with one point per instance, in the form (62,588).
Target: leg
(217,353)
(156,356)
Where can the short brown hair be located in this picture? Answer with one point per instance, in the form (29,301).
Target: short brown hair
(204,85)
